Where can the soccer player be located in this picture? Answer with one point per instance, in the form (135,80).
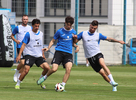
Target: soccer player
(20,32)
(32,47)
(63,53)
(91,40)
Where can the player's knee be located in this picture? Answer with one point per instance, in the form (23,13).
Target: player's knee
(47,67)
(54,69)
(22,62)
(26,71)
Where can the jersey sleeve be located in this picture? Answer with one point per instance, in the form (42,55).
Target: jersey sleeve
(26,38)
(79,36)
(74,32)
(102,37)
(15,30)
(56,36)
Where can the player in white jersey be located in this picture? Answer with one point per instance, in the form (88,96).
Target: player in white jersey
(20,32)
(32,46)
(91,40)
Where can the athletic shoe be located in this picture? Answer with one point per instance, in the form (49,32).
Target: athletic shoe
(114,88)
(40,80)
(17,87)
(114,84)
(64,91)
(15,77)
(43,86)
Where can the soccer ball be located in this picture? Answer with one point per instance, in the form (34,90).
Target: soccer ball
(59,87)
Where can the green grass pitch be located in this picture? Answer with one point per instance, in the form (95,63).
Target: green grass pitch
(83,84)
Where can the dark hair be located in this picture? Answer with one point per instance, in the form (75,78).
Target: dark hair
(94,23)
(69,19)
(36,21)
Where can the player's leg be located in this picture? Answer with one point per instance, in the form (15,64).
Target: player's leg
(87,63)
(109,75)
(103,74)
(44,65)
(95,62)
(102,63)
(22,76)
(57,59)
(29,61)
(106,69)
(19,67)
(68,67)
(67,64)
(50,71)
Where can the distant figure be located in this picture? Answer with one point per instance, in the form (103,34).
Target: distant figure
(20,32)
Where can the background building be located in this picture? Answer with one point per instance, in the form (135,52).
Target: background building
(52,13)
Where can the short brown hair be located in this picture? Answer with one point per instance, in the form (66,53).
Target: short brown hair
(24,15)
(94,23)
(69,19)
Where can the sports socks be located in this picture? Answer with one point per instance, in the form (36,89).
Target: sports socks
(110,77)
(17,71)
(19,75)
(63,83)
(18,82)
(45,76)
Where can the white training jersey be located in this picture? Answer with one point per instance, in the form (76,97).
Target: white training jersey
(34,44)
(91,42)
(22,31)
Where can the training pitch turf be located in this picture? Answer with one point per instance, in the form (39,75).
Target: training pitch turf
(83,84)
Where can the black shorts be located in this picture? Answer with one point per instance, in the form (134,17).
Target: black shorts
(62,57)
(30,60)
(94,62)
(22,57)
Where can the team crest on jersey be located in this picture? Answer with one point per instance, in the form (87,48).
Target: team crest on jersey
(63,35)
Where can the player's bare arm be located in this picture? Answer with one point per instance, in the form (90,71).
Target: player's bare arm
(20,52)
(75,38)
(114,40)
(50,45)
(43,55)
(77,47)
(17,41)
